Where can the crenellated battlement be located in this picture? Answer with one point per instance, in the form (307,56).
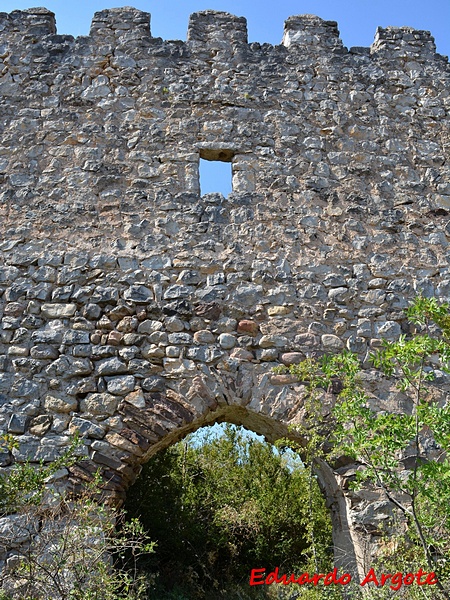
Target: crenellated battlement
(310,31)
(217,31)
(102,130)
(128,23)
(36,22)
(396,42)
(212,27)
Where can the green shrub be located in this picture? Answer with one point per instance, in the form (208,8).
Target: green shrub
(223,507)
(69,547)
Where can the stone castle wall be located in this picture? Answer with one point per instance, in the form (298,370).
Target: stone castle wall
(134,310)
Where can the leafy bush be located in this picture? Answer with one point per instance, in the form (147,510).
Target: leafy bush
(404,454)
(65,548)
(223,507)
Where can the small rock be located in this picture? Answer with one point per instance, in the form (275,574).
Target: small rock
(16,529)
(76,337)
(225,325)
(173,351)
(204,336)
(174,325)
(17,424)
(115,338)
(267,354)
(139,294)
(356,344)
(331,342)
(149,326)
(215,279)
(180,308)
(18,351)
(292,358)
(152,352)
(227,341)
(180,338)
(157,262)
(153,384)
(197,324)
(132,339)
(40,425)
(270,341)
(96,337)
(58,402)
(24,388)
(58,311)
(136,398)
(389,330)
(364,328)
(44,352)
(100,404)
(242,354)
(158,337)
(248,327)
(274,311)
(209,310)
(178,366)
(247,294)
(86,428)
(13,309)
(177,291)
(121,385)
(111,366)
(105,323)
(127,324)
(91,312)
(306,340)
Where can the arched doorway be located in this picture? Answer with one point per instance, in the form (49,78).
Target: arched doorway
(220,504)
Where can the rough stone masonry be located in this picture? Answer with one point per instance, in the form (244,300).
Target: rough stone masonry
(133,310)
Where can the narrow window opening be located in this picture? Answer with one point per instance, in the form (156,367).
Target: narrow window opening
(216,173)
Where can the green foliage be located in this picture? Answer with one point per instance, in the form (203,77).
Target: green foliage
(385,442)
(70,548)
(219,509)
(24,484)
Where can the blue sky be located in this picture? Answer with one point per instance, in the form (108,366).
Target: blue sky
(357,20)
(290,458)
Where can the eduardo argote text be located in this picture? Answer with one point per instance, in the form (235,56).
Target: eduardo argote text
(393,580)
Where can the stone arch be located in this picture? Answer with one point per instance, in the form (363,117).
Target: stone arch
(154,421)
(350,551)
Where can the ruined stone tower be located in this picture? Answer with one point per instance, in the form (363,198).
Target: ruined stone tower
(133,310)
